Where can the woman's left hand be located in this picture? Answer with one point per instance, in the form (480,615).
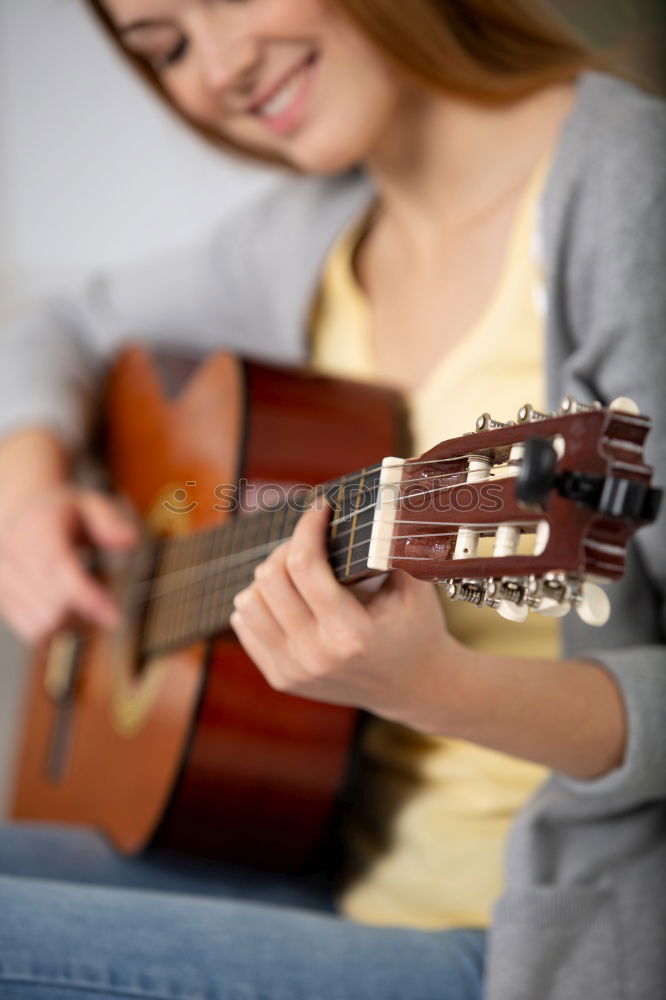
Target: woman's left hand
(312,637)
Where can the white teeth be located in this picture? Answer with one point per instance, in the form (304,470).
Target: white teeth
(281,101)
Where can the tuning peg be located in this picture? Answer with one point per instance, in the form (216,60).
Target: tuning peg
(593,605)
(513,612)
(571,405)
(551,608)
(486,423)
(527,414)
(470,592)
(625,405)
(548,597)
(507,599)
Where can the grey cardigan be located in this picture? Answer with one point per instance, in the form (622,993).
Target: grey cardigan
(584,912)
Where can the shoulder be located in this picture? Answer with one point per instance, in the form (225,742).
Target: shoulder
(612,109)
(623,138)
(604,206)
(611,154)
(604,226)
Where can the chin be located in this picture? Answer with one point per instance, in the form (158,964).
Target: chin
(324,162)
(327,152)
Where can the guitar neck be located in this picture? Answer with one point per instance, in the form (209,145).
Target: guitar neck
(192,581)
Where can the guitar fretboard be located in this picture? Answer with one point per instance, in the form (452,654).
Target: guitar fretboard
(190,589)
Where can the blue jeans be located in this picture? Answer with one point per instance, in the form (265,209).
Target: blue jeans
(79,922)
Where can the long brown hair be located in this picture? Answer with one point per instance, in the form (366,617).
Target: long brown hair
(487,51)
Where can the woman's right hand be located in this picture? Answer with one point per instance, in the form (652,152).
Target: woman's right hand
(42,579)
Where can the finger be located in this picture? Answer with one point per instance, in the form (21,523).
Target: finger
(28,614)
(104,522)
(309,570)
(258,616)
(260,654)
(87,597)
(280,595)
(37,584)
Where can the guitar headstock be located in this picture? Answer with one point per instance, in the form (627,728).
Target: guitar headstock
(529,515)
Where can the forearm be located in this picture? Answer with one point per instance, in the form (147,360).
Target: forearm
(30,460)
(568,715)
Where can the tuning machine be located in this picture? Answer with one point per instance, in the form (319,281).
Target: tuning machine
(486,423)
(572,405)
(592,603)
(554,596)
(528,415)
(473,591)
(549,596)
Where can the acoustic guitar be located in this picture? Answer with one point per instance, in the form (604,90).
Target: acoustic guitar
(163,731)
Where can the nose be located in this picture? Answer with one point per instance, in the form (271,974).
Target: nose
(228,62)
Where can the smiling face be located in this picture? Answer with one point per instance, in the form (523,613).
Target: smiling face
(289,77)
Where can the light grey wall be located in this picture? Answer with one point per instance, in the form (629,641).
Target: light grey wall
(92,172)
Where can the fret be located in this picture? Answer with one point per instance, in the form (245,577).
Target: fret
(153,608)
(205,548)
(184,582)
(193,616)
(221,579)
(351,546)
(176,566)
(236,578)
(275,526)
(219,547)
(338,505)
(340,560)
(169,563)
(212,566)
(358,502)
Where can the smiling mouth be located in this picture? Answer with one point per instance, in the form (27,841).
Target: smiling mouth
(283,103)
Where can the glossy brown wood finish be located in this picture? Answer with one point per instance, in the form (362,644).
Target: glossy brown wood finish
(601,442)
(198,746)
(264,769)
(122,783)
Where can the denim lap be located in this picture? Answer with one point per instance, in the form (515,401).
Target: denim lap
(64,939)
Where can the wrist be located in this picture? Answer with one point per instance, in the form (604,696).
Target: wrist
(31,461)
(454,694)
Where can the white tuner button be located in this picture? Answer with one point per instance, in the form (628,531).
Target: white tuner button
(552,608)
(513,612)
(594,607)
(624,405)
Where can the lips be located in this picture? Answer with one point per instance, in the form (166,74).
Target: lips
(275,101)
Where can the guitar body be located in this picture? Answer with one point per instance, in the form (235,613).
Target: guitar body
(192,750)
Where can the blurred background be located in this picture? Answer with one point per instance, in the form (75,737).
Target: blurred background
(94,172)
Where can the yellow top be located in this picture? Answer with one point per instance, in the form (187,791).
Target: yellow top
(426,837)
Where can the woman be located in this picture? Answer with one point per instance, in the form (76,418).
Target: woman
(467,119)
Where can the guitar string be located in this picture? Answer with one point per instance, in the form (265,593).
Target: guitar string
(160,584)
(373,489)
(169,582)
(225,608)
(220,606)
(217,567)
(354,514)
(370,490)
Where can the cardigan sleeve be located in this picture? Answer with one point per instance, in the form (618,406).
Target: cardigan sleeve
(198,299)
(248,288)
(617,312)
(53,356)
